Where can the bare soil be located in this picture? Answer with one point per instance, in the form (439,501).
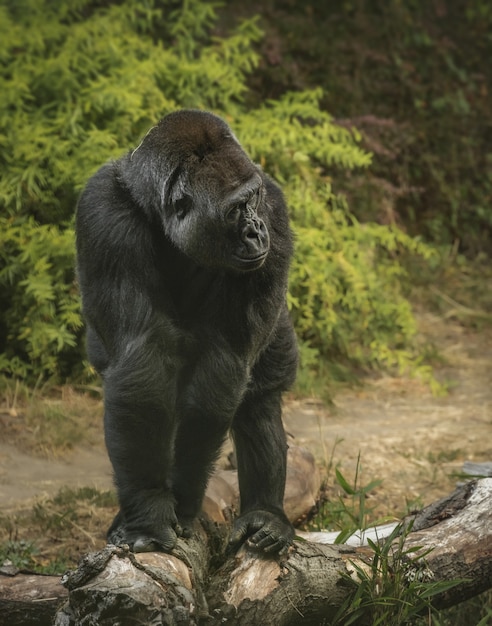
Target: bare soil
(391,429)
(412,440)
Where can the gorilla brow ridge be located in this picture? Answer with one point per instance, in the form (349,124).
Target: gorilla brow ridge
(246,190)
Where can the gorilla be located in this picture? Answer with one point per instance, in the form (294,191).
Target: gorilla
(183,251)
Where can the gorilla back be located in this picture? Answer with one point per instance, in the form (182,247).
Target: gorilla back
(183,249)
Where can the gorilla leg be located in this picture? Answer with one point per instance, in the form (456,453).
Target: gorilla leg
(139,431)
(209,400)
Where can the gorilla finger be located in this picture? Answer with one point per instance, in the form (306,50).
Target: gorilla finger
(238,536)
(262,538)
(243,529)
(279,546)
(185,531)
(185,527)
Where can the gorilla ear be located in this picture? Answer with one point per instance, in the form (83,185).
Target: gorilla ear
(183,206)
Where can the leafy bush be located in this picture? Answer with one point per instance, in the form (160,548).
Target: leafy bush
(412,77)
(346,292)
(42,312)
(81,82)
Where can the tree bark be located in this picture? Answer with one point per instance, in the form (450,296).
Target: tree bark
(201,584)
(29,598)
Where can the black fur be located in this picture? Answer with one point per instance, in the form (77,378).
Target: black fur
(183,250)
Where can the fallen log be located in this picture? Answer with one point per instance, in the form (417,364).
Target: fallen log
(31,598)
(201,584)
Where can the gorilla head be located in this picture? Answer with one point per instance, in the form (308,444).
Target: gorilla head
(192,171)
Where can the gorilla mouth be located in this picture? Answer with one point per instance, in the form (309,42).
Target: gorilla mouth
(247,264)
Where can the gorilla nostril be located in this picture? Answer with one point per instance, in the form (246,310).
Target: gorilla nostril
(252,234)
(254,230)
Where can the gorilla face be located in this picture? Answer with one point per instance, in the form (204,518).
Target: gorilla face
(249,234)
(222,230)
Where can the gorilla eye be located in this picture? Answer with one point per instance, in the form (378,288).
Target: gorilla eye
(183,206)
(234,214)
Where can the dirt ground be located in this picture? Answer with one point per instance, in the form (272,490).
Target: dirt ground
(413,441)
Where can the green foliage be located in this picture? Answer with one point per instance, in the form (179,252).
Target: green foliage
(347,298)
(56,524)
(477,611)
(38,295)
(79,87)
(19,553)
(348,511)
(24,555)
(81,82)
(413,77)
(346,293)
(395,587)
(63,510)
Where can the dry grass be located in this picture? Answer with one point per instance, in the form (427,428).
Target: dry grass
(59,530)
(49,422)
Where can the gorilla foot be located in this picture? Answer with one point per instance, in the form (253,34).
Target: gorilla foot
(163,541)
(185,526)
(143,540)
(150,544)
(263,531)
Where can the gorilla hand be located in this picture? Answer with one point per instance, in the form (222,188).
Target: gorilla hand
(264,531)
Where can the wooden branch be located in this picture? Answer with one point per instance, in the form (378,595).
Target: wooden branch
(199,584)
(29,598)
(311,581)
(458,530)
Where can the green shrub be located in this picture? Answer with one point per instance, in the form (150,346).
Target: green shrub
(347,284)
(42,312)
(81,82)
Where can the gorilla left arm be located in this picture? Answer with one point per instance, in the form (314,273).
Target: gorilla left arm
(261,450)
(261,446)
